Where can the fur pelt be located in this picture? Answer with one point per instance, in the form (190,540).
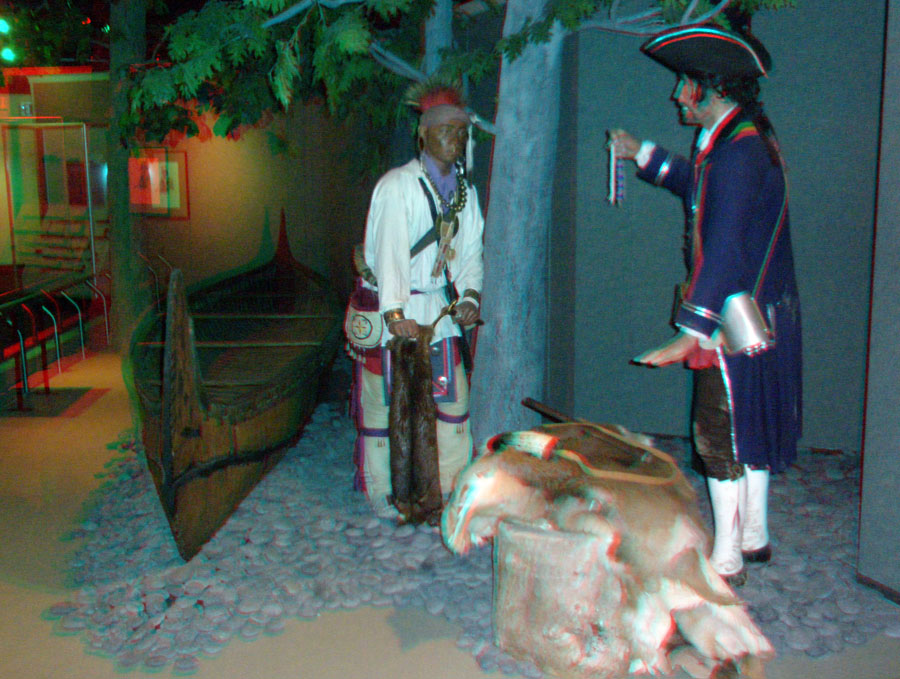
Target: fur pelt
(415,479)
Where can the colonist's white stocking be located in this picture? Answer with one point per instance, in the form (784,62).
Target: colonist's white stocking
(755,522)
(726,554)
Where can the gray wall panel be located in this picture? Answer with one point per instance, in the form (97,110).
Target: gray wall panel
(823,98)
(879,536)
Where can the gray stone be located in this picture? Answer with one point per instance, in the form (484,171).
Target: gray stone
(800,638)
(893,631)
(849,606)
(855,636)
(304,540)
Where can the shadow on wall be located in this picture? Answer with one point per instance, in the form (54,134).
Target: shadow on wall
(236,192)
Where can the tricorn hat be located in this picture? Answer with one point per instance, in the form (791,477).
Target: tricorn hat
(709,51)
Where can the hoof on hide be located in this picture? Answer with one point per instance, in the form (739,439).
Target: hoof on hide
(738,579)
(691,662)
(748,667)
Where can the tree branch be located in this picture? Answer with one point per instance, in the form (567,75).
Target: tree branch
(649,22)
(713,13)
(636,24)
(614,9)
(304,5)
(688,11)
(394,63)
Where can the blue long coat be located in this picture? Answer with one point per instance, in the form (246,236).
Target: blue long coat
(735,199)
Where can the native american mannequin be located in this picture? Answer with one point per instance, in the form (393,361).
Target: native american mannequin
(423,248)
(747,394)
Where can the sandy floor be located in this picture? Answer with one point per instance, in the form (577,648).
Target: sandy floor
(48,469)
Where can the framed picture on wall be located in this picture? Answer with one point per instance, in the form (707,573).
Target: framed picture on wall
(158,184)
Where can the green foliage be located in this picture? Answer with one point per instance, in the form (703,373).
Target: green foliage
(221,58)
(473,65)
(216,58)
(349,34)
(388,9)
(752,6)
(286,69)
(269,5)
(205,55)
(570,13)
(50,34)
(157,86)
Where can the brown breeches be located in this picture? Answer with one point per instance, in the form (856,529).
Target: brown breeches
(712,426)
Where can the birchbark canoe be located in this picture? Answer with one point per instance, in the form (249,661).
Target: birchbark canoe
(225,380)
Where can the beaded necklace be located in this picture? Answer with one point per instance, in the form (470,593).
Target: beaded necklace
(459,196)
(446,223)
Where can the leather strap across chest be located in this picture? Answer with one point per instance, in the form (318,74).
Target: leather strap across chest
(432,236)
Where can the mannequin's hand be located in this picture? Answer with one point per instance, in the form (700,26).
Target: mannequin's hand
(466,313)
(404,328)
(625,144)
(675,350)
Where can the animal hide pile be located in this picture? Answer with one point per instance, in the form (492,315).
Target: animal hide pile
(415,479)
(615,525)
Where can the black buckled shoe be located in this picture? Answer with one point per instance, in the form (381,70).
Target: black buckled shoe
(761,555)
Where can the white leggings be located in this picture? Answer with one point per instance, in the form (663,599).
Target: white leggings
(454,440)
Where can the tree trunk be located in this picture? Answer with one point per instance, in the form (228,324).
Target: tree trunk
(511,359)
(128,41)
(438,34)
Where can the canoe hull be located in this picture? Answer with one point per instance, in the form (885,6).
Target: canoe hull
(237,456)
(218,414)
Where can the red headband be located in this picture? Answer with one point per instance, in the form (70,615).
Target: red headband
(442,114)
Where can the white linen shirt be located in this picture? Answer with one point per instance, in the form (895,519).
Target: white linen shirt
(398,217)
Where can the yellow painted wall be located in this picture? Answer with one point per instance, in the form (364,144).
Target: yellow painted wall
(237,189)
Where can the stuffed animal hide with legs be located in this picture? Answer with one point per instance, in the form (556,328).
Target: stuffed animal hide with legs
(631,500)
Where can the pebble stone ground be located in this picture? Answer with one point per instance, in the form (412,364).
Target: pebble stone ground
(304,542)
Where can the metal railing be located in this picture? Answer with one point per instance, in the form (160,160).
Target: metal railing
(16,312)
(160,286)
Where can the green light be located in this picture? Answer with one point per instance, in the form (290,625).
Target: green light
(4,26)
(7,54)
